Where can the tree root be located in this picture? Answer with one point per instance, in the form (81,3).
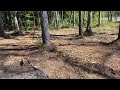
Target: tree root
(88,33)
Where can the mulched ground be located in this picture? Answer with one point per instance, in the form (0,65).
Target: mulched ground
(73,58)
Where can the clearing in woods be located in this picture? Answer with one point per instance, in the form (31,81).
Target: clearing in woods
(73,58)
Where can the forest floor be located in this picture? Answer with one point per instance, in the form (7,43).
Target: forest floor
(73,58)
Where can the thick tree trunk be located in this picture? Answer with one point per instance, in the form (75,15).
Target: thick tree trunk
(99,19)
(88,31)
(2,33)
(80,23)
(45,28)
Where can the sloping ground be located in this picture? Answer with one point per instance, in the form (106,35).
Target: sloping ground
(75,57)
(87,49)
(90,51)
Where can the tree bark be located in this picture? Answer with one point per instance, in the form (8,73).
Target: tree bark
(62,18)
(12,21)
(20,25)
(57,19)
(99,19)
(73,18)
(108,15)
(119,33)
(84,16)
(111,15)
(115,15)
(16,22)
(2,33)
(88,31)
(38,18)
(70,18)
(80,23)
(45,28)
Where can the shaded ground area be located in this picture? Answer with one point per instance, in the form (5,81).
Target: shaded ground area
(73,58)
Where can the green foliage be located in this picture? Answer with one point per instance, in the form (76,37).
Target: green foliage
(65,24)
(30,18)
(108,23)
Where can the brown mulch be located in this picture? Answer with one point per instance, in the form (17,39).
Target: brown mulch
(75,58)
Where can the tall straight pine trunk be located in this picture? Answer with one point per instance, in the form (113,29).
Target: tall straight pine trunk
(73,18)
(16,22)
(108,15)
(99,19)
(45,28)
(70,17)
(62,17)
(89,23)
(115,15)
(80,23)
(57,19)
(84,16)
(111,15)
(2,33)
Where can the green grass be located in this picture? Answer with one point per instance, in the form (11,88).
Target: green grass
(107,25)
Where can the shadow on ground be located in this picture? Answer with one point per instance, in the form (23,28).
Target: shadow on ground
(98,68)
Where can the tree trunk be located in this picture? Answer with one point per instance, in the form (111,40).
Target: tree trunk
(70,18)
(84,16)
(62,18)
(45,28)
(111,15)
(2,33)
(80,23)
(12,21)
(99,19)
(7,27)
(88,31)
(108,15)
(57,19)
(38,18)
(73,18)
(34,20)
(115,15)
(33,25)
(119,33)
(21,25)
(16,22)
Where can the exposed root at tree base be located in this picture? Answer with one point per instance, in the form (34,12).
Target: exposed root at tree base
(17,34)
(88,33)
